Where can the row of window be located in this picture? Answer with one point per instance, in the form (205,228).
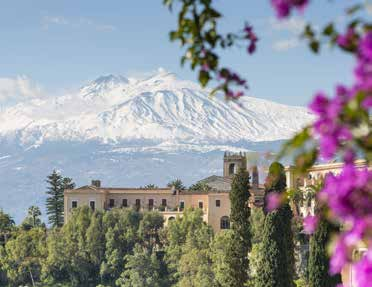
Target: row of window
(124,203)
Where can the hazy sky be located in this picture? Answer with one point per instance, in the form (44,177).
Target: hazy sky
(55,45)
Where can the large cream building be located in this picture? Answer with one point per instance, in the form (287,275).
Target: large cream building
(306,183)
(170,202)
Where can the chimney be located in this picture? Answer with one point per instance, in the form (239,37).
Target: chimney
(96,183)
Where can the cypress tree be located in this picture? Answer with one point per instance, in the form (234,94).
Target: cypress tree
(318,259)
(273,271)
(277,264)
(54,202)
(241,235)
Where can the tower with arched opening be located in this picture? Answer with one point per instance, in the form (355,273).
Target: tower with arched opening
(232,162)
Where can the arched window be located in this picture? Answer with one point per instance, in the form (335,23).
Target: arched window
(171,218)
(231,168)
(225,222)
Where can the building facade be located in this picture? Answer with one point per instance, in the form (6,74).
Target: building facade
(306,183)
(313,176)
(169,202)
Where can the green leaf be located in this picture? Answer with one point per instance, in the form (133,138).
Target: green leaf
(314,46)
(204,78)
(329,30)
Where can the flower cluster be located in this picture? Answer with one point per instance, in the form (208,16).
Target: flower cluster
(228,77)
(252,37)
(347,40)
(283,7)
(349,196)
(363,270)
(331,131)
(363,70)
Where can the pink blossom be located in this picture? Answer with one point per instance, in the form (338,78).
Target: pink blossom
(346,40)
(283,7)
(339,257)
(363,270)
(310,224)
(365,47)
(274,200)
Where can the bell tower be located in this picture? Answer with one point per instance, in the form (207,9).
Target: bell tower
(232,162)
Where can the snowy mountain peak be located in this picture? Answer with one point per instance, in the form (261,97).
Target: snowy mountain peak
(110,80)
(103,84)
(160,109)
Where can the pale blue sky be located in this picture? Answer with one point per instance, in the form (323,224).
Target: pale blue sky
(63,44)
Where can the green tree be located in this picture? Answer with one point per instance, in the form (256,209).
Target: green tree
(79,265)
(177,184)
(6,226)
(142,269)
(277,266)
(195,263)
(33,218)
(149,229)
(240,213)
(54,202)
(318,258)
(256,221)
(273,269)
(200,186)
(221,256)
(150,186)
(96,241)
(67,183)
(121,233)
(186,236)
(57,267)
(23,256)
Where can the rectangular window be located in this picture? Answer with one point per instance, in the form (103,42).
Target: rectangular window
(164,202)
(182,205)
(201,204)
(125,202)
(74,204)
(111,203)
(92,204)
(138,203)
(218,203)
(151,204)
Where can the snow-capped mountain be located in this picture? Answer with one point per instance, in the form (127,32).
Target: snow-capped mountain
(131,132)
(161,109)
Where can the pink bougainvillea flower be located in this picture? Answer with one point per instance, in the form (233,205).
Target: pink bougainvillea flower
(283,7)
(274,200)
(365,47)
(310,224)
(363,270)
(339,257)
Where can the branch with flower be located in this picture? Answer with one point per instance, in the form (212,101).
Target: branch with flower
(342,128)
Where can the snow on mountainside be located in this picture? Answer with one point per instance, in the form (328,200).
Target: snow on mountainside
(160,108)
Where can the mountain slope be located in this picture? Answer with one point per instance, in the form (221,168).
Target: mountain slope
(161,108)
